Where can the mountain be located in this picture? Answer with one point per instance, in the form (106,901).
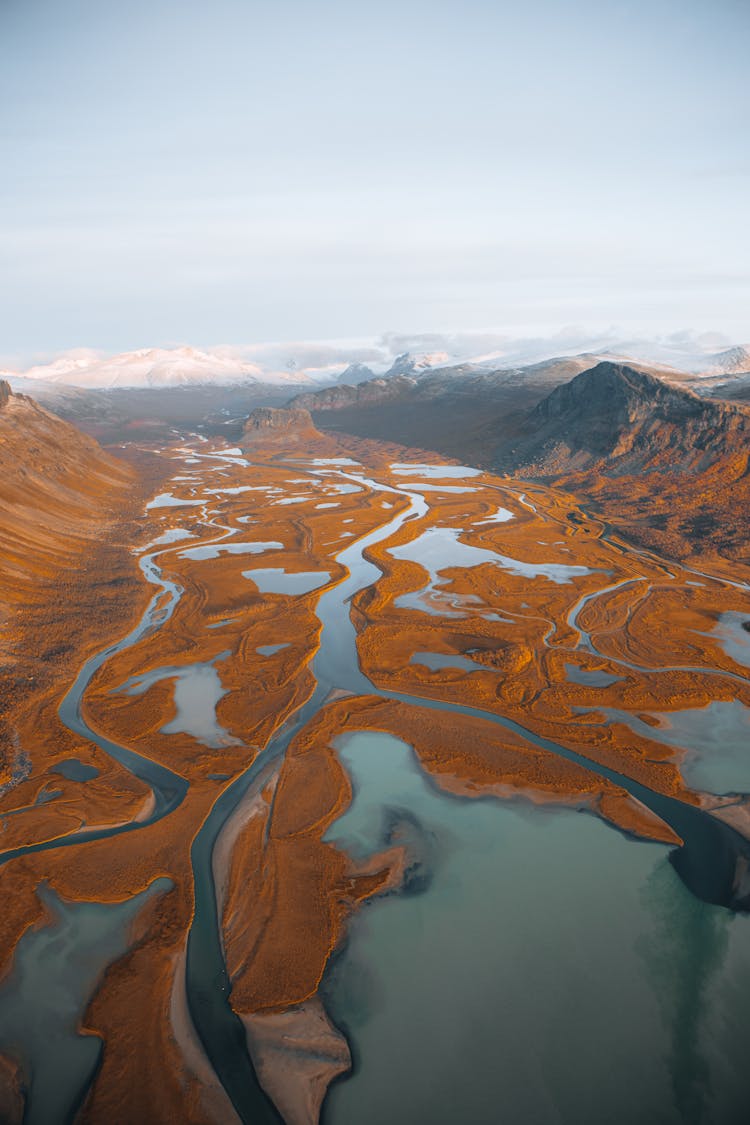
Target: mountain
(407,364)
(344,396)
(356,373)
(665,465)
(356,360)
(732,361)
(155,414)
(159,368)
(460,410)
(625,421)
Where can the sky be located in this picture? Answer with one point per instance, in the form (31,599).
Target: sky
(235,172)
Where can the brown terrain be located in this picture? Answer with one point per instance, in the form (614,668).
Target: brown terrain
(667,467)
(73,526)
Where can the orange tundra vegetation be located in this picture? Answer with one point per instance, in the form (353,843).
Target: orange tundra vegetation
(284,893)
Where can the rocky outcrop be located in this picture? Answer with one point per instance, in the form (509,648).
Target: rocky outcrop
(269,418)
(624,421)
(278,426)
(342,397)
(4,392)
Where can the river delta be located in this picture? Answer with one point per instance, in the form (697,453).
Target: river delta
(406,793)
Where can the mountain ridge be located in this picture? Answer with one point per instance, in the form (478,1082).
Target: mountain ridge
(625,421)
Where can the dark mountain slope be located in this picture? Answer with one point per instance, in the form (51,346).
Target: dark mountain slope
(624,421)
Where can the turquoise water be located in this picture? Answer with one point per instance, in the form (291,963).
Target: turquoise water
(545,969)
(75,770)
(716,739)
(54,973)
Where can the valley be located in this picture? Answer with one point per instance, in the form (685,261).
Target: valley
(315,698)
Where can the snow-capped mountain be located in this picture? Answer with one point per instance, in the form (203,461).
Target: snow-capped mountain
(355,361)
(695,355)
(158,367)
(732,361)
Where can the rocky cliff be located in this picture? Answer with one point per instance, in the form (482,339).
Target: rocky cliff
(624,421)
(279,426)
(343,396)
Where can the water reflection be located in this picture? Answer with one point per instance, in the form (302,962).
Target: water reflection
(684,952)
(54,973)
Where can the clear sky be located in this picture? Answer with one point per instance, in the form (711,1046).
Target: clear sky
(233,171)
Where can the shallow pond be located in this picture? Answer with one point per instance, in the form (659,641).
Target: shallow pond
(276,580)
(168,500)
(197,690)
(75,770)
(423,486)
(214,550)
(442,472)
(174,535)
(502,515)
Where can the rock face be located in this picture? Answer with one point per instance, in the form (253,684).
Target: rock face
(624,421)
(344,396)
(4,392)
(278,426)
(269,418)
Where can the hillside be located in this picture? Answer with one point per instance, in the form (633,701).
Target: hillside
(667,466)
(51,475)
(459,411)
(624,421)
(59,493)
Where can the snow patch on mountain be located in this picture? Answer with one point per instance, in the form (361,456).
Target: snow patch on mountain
(353,361)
